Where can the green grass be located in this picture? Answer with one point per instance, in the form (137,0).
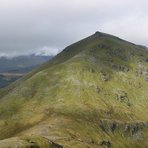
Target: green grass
(61,101)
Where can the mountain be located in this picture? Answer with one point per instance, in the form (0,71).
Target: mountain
(14,68)
(19,63)
(92,94)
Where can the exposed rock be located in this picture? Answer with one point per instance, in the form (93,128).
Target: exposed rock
(105,143)
(131,129)
(124,68)
(97,89)
(97,34)
(91,70)
(120,68)
(105,76)
(54,145)
(146,79)
(141,71)
(34,146)
(121,96)
(119,52)
(92,60)
(146,59)
(145,73)
(108,125)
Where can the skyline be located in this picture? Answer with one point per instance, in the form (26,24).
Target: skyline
(41,26)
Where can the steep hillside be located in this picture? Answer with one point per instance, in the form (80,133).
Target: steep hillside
(92,94)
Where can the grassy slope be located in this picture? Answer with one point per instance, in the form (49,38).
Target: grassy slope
(65,99)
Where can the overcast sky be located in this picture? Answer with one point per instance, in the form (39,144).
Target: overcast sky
(34,26)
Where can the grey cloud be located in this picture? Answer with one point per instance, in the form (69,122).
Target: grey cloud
(38,26)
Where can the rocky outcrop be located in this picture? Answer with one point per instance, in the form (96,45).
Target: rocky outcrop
(120,53)
(146,59)
(146,78)
(97,89)
(129,129)
(105,77)
(142,71)
(121,96)
(122,68)
(108,125)
(105,143)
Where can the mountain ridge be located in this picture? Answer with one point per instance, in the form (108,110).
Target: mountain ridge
(92,94)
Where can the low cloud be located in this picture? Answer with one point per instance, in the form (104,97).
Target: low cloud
(46,51)
(47,26)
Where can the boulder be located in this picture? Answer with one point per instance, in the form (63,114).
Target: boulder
(121,96)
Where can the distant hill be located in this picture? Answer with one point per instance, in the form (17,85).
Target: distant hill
(94,94)
(20,63)
(16,67)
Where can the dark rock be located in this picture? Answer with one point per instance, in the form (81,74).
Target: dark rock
(145,73)
(140,69)
(113,126)
(146,60)
(34,146)
(103,46)
(129,129)
(105,76)
(122,96)
(120,68)
(97,89)
(108,125)
(105,143)
(98,34)
(120,53)
(133,128)
(146,79)
(124,69)
(91,70)
(54,145)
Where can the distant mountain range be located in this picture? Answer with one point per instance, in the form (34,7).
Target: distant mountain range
(21,63)
(13,68)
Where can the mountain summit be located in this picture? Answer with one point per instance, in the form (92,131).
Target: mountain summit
(92,94)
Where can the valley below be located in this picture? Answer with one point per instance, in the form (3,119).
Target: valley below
(12,69)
